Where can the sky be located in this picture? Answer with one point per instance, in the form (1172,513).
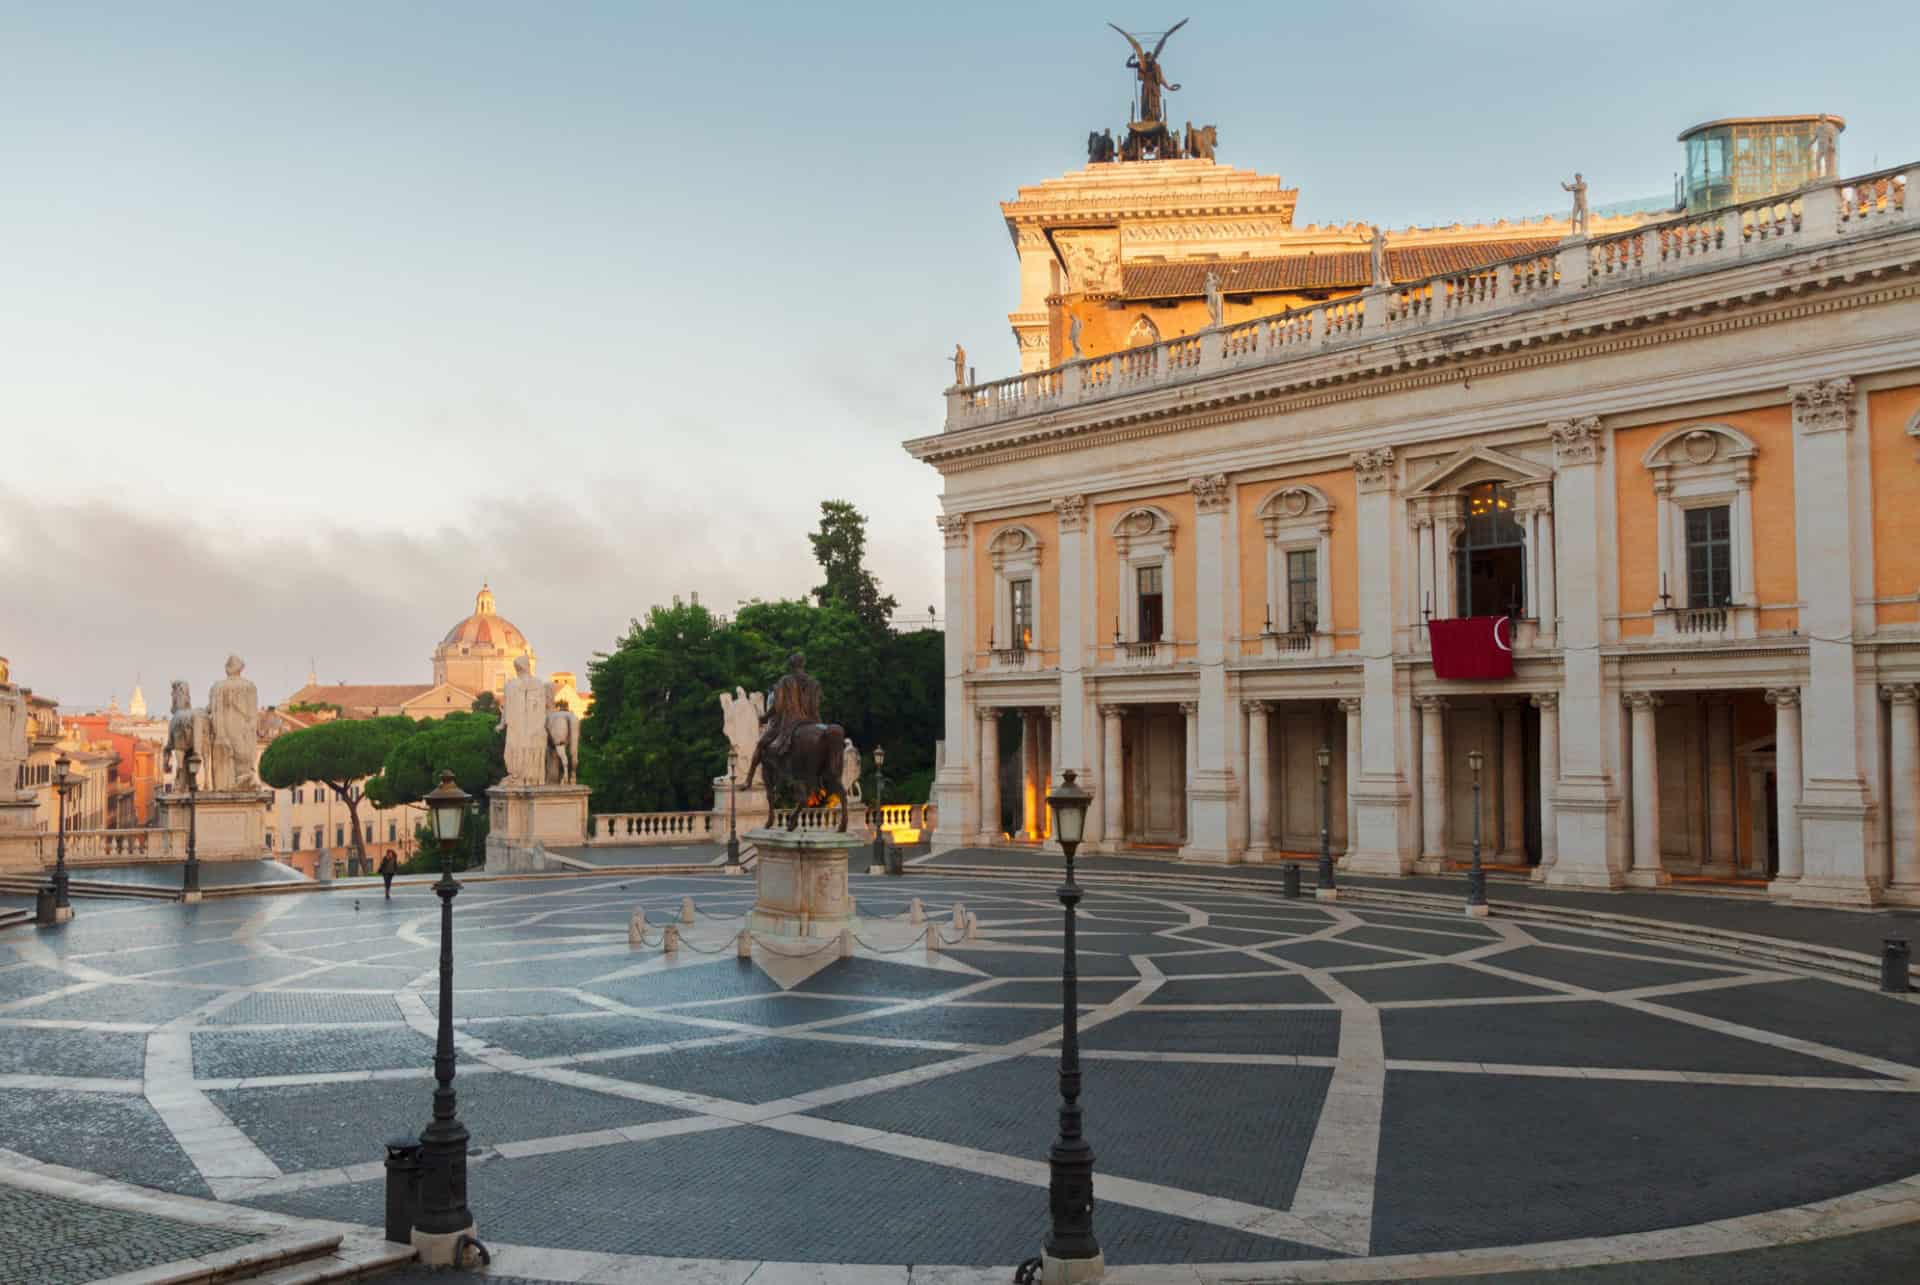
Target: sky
(318,315)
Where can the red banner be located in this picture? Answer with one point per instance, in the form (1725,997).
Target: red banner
(1472,647)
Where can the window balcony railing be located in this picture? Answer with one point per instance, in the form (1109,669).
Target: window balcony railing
(1141,653)
(1729,621)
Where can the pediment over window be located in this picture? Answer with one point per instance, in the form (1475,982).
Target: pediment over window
(1699,445)
(1479,464)
(1142,521)
(1296,501)
(1017,541)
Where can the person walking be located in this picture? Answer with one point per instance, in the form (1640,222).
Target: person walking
(389,867)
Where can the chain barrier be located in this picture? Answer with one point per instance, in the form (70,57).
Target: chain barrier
(831,943)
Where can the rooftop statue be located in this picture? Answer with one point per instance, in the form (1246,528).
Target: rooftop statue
(1578,218)
(1152,80)
(796,749)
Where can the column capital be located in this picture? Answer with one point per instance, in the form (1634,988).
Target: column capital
(1901,693)
(1262,708)
(1435,703)
(1783,697)
(1575,441)
(1072,511)
(1637,701)
(1823,406)
(1113,712)
(986,713)
(1210,493)
(1544,700)
(953,528)
(1053,712)
(1189,708)
(1349,704)
(1373,470)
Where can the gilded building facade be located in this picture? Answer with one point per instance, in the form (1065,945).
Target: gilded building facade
(1680,455)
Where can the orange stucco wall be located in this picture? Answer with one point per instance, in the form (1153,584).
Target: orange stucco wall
(1638,539)
(1345,556)
(1045,525)
(1896,501)
(1179,506)
(1104,327)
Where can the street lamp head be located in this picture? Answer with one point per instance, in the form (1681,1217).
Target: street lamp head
(879,757)
(1474,760)
(448,803)
(1324,756)
(1069,803)
(63,777)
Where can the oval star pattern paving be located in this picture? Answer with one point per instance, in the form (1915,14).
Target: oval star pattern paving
(1266,1080)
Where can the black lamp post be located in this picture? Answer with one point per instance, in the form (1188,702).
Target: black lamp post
(190,877)
(444,1218)
(1070,1184)
(63,783)
(733,807)
(1324,890)
(879,807)
(1476,877)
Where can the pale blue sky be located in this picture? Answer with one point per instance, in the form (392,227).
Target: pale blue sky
(320,313)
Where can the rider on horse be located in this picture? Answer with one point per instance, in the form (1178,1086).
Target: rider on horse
(792,704)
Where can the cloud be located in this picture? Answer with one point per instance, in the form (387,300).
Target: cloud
(97,592)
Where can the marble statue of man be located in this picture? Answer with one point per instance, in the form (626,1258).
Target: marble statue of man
(1073,337)
(523,712)
(740,717)
(1379,259)
(1578,218)
(1826,149)
(233,724)
(14,716)
(1216,304)
(850,770)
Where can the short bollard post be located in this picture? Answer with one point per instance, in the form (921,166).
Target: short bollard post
(670,939)
(745,944)
(916,913)
(1896,957)
(403,1188)
(686,910)
(846,943)
(1290,880)
(637,928)
(932,935)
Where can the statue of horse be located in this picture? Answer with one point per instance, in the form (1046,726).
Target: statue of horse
(563,745)
(187,733)
(812,765)
(1202,141)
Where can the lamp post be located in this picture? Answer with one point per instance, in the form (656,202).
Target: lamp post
(1476,877)
(1324,889)
(1070,1253)
(733,807)
(444,1219)
(63,783)
(190,877)
(879,807)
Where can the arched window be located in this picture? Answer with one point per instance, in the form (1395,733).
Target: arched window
(1490,562)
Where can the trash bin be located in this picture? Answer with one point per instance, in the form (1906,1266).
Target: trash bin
(43,908)
(403,1188)
(1896,958)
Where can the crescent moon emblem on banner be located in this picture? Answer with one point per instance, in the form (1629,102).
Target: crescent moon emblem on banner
(1500,623)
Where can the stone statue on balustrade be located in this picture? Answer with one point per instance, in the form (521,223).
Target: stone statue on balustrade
(1578,219)
(1826,149)
(799,754)
(1100,147)
(1216,302)
(850,771)
(233,736)
(188,733)
(524,707)
(959,366)
(1074,330)
(1378,253)
(740,717)
(14,717)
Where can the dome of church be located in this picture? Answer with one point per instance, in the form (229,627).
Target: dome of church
(477,654)
(486,627)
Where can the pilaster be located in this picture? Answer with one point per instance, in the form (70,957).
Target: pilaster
(1380,838)
(953,786)
(1213,789)
(1069,746)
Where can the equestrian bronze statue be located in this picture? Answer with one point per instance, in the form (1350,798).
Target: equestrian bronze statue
(798,753)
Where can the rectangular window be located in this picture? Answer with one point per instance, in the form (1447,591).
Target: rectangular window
(269,841)
(1303,590)
(339,836)
(1020,605)
(393,833)
(319,837)
(1152,604)
(1709,556)
(296,840)
(299,795)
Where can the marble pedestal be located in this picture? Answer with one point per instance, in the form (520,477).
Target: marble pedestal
(553,815)
(230,825)
(19,836)
(801,882)
(749,804)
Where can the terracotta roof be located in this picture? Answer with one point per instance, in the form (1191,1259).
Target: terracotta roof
(354,697)
(1341,269)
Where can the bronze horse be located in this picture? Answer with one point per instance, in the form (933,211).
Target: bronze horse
(812,763)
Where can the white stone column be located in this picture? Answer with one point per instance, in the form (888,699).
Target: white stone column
(1069,742)
(958,822)
(1787,783)
(1647,872)
(1052,751)
(1549,589)
(1112,789)
(1903,787)
(1426,596)
(1839,836)
(1591,839)
(1383,841)
(1720,786)
(1191,710)
(1513,785)
(1433,783)
(1259,783)
(989,774)
(1350,706)
(1030,773)
(1548,703)
(1213,789)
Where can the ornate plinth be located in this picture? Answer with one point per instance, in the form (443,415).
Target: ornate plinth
(231,824)
(801,880)
(552,815)
(20,836)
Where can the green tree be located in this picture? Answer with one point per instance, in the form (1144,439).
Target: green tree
(840,547)
(340,754)
(486,703)
(467,744)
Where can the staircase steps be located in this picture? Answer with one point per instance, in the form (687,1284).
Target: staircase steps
(292,1259)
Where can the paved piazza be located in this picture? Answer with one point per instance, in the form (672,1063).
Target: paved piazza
(1268,1081)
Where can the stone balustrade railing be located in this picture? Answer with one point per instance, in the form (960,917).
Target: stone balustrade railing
(639,829)
(1818,214)
(115,847)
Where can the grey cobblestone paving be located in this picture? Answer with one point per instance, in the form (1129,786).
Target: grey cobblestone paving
(100,1132)
(956,1025)
(782,1010)
(1272,988)
(21,981)
(153,1004)
(49,1240)
(1309,1032)
(587,1034)
(1399,939)
(484,1004)
(1597,973)
(91,1053)
(679,985)
(224,1054)
(293,1006)
(1821,1011)
(1432,981)
(764,1069)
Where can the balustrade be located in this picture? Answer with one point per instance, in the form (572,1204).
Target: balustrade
(1411,304)
(1770,220)
(639,829)
(113,847)
(1616,255)
(1184,353)
(1242,340)
(1692,238)
(1702,620)
(1872,199)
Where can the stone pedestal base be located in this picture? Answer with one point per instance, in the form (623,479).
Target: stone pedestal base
(437,1250)
(749,805)
(1478,912)
(230,825)
(1639,877)
(1071,1271)
(524,815)
(801,881)
(19,836)
(1808,890)
(1326,894)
